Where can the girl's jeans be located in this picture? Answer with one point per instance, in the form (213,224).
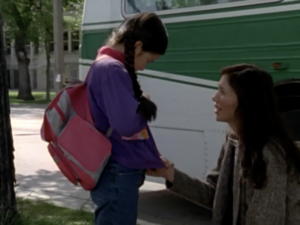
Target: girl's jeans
(116,195)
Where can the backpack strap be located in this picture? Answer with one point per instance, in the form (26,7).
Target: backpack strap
(110,129)
(109,132)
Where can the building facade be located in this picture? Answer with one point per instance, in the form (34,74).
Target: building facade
(38,62)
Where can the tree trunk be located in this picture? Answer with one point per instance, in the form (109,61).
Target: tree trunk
(8,209)
(47,70)
(23,64)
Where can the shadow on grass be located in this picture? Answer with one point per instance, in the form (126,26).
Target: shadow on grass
(39,98)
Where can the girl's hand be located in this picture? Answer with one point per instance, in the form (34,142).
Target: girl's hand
(167,172)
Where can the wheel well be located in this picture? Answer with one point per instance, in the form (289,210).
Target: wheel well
(288,94)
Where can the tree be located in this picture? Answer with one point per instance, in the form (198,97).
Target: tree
(43,22)
(18,17)
(8,208)
(32,21)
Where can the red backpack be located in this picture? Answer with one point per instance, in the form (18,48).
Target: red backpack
(77,147)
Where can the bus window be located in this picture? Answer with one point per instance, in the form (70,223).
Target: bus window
(136,6)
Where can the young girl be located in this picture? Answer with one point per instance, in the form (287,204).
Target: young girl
(256,180)
(117,101)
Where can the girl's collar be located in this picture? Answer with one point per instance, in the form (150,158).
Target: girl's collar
(106,50)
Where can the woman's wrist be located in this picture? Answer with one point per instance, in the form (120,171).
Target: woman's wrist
(170,175)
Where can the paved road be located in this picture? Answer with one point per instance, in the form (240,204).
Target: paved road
(39,177)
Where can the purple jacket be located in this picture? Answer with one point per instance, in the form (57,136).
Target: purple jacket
(113,103)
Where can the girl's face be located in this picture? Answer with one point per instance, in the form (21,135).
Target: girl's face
(226,102)
(142,58)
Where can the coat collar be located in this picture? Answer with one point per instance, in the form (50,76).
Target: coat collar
(106,50)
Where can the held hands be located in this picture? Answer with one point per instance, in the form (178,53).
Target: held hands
(145,95)
(167,172)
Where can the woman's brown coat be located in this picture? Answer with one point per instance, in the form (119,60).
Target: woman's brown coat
(238,203)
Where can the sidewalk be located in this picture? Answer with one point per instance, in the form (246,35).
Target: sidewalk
(38,177)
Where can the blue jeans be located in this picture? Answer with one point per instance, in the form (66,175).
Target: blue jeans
(116,195)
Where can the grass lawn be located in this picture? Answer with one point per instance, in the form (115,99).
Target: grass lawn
(40,98)
(35,212)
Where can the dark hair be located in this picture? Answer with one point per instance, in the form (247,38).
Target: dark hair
(149,29)
(258,116)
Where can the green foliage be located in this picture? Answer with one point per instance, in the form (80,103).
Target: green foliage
(16,17)
(73,15)
(33,19)
(41,212)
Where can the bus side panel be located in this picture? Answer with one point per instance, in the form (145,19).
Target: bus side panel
(201,48)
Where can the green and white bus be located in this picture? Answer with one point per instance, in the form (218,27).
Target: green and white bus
(205,35)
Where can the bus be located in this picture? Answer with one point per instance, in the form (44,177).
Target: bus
(204,36)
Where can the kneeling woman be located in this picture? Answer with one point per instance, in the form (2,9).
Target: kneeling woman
(256,180)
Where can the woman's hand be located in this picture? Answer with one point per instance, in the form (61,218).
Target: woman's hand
(167,172)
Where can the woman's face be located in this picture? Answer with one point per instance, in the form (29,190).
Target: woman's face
(226,102)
